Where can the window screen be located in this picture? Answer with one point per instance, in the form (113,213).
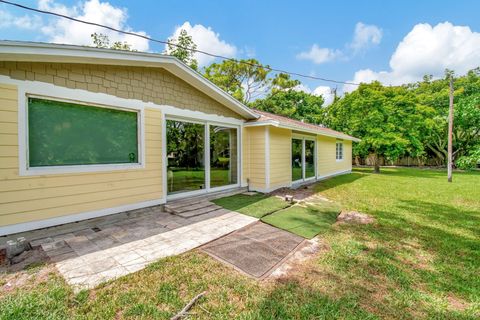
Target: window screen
(61,133)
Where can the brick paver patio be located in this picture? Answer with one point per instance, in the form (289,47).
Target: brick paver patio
(102,249)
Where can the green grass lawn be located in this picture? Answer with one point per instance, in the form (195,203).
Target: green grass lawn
(305,220)
(256,206)
(420,260)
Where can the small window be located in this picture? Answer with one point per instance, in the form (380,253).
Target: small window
(339,151)
(62,134)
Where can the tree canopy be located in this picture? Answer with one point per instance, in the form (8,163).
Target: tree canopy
(101,40)
(392,122)
(183,48)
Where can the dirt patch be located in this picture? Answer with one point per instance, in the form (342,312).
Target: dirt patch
(27,269)
(298,194)
(457,304)
(25,260)
(305,251)
(354,217)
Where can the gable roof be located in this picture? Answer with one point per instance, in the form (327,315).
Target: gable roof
(267,118)
(61,53)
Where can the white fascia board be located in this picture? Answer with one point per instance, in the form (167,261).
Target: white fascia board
(262,123)
(318,132)
(45,52)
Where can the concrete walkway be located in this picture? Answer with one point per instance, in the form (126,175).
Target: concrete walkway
(114,246)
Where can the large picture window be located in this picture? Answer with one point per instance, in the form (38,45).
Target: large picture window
(63,133)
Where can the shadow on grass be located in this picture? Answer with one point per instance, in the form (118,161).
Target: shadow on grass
(339,180)
(291,299)
(450,234)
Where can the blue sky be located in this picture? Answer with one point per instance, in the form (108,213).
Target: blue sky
(278,32)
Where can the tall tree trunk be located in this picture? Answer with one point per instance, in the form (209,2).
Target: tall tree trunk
(375,161)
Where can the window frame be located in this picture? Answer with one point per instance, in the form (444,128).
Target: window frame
(80,168)
(339,150)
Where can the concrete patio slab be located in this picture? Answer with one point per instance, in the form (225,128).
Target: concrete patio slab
(255,250)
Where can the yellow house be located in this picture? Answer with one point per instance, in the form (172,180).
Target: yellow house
(87,132)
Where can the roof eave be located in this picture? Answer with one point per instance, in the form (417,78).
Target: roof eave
(292,127)
(46,52)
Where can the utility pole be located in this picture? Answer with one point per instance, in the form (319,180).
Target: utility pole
(450,131)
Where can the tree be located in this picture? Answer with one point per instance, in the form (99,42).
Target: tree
(283,99)
(389,120)
(245,80)
(467,114)
(101,40)
(183,48)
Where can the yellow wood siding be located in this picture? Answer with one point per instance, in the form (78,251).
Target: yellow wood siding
(31,198)
(327,163)
(280,157)
(254,156)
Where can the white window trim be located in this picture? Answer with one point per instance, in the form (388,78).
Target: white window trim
(38,89)
(177,116)
(339,143)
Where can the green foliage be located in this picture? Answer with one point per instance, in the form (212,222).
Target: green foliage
(245,80)
(389,120)
(101,40)
(183,48)
(410,120)
(470,161)
(435,94)
(294,104)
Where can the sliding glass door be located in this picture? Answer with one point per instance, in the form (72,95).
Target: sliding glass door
(185,156)
(200,156)
(223,156)
(297,160)
(309,159)
(303,159)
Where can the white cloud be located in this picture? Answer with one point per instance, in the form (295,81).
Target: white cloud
(365,36)
(319,55)
(7,20)
(324,91)
(428,50)
(70,32)
(206,40)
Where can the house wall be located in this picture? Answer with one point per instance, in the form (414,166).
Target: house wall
(326,161)
(146,84)
(31,198)
(254,157)
(280,157)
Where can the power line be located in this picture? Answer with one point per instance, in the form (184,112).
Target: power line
(173,44)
